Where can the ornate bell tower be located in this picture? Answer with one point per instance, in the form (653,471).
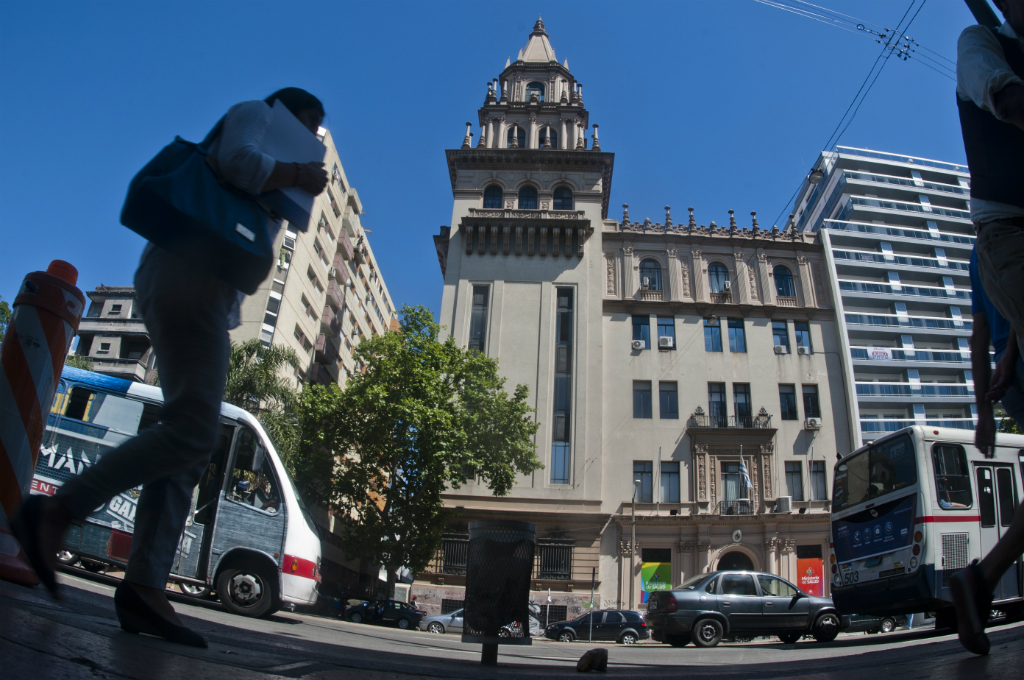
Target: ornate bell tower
(522,261)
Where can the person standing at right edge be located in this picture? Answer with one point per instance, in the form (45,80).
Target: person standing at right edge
(188,313)
(990,97)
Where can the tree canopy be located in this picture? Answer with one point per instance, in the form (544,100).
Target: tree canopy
(422,417)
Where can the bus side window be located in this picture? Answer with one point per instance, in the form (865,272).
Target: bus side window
(1007,495)
(104,410)
(986,496)
(212,480)
(952,477)
(252,481)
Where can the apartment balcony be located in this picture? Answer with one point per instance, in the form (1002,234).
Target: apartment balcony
(903,359)
(904,291)
(651,295)
(874,205)
(698,419)
(785,301)
(872,231)
(929,264)
(318,375)
(339,271)
(912,184)
(916,324)
(126,369)
(915,390)
(878,427)
(326,352)
(335,297)
(329,323)
(898,158)
(345,246)
(721,298)
(742,506)
(112,325)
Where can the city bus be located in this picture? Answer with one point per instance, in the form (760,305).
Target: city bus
(911,509)
(247,536)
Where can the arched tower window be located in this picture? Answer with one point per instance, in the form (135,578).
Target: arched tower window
(493,196)
(551,135)
(520,136)
(527,198)
(784,282)
(650,273)
(717,276)
(562,199)
(535,88)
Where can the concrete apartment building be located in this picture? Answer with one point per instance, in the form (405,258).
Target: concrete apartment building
(663,359)
(898,238)
(113,336)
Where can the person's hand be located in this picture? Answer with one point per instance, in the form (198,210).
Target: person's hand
(1002,378)
(311,177)
(985,434)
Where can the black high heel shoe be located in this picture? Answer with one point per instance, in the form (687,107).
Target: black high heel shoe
(138,617)
(26,526)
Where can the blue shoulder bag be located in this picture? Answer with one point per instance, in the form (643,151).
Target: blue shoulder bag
(179,204)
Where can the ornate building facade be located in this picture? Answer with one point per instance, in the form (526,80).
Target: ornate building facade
(687,378)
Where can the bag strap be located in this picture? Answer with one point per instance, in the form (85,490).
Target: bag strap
(204,146)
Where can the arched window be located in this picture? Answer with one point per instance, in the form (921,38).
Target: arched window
(537,88)
(784,282)
(493,196)
(551,135)
(527,198)
(650,273)
(717,276)
(520,136)
(563,199)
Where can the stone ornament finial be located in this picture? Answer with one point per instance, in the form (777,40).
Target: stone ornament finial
(483,137)
(692,224)
(515,137)
(753,216)
(597,145)
(732,221)
(469,136)
(668,217)
(538,28)
(625,215)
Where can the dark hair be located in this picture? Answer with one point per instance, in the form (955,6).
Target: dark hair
(296,100)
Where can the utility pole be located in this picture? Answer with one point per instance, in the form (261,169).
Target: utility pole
(632,548)
(983,13)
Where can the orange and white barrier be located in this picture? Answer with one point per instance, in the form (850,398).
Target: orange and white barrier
(47,311)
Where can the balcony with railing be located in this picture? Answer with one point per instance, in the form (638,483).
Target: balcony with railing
(329,323)
(908,355)
(326,352)
(898,158)
(339,270)
(896,321)
(335,296)
(880,426)
(345,246)
(699,419)
(900,206)
(914,184)
(741,506)
(915,390)
(844,256)
(843,225)
(848,286)
(785,301)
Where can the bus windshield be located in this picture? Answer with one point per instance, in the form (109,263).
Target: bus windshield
(881,469)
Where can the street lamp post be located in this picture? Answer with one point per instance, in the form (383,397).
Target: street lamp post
(632,548)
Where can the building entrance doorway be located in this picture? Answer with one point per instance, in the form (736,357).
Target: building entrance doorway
(735,561)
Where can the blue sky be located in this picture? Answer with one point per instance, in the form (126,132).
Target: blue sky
(714,105)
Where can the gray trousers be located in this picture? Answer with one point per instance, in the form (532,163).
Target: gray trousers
(186,314)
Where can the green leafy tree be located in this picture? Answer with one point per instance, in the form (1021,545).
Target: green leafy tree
(78,361)
(5,317)
(422,416)
(1008,424)
(255,383)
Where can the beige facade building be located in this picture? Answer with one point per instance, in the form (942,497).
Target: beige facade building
(686,374)
(113,336)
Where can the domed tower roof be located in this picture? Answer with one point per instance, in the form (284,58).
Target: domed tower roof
(539,49)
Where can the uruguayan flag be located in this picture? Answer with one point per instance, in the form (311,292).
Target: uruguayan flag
(746,477)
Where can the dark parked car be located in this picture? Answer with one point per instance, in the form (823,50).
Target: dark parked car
(861,623)
(385,613)
(738,604)
(618,625)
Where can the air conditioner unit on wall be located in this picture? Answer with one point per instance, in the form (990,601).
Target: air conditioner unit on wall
(784,504)
(812,424)
(803,350)
(781,349)
(666,342)
(638,344)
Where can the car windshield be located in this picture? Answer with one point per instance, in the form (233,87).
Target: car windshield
(693,581)
(874,472)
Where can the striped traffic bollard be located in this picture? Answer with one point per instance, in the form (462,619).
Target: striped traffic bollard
(47,311)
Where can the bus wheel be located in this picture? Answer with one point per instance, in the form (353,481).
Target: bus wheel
(191,590)
(246,590)
(887,625)
(66,557)
(826,628)
(95,567)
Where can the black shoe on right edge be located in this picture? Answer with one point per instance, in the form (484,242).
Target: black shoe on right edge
(973,599)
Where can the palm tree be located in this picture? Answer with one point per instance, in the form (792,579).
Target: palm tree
(255,383)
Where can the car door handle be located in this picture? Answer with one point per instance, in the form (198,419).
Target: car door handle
(727,604)
(769,604)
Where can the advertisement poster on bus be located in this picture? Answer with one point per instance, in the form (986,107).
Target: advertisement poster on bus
(655,576)
(876,531)
(809,572)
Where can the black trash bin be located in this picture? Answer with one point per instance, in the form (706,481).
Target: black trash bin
(498,585)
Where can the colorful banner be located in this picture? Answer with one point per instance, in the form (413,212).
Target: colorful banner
(877,531)
(810,572)
(655,576)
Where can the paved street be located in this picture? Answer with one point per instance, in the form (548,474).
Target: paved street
(79,638)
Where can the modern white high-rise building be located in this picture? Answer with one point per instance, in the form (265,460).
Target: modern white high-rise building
(898,238)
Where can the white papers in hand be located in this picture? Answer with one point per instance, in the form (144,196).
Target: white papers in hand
(289,141)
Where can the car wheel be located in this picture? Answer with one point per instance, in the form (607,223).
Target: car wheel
(404,624)
(566,636)
(887,626)
(826,628)
(435,627)
(708,633)
(790,638)
(193,590)
(246,590)
(678,640)
(66,557)
(504,633)
(628,638)
(95,567)
(356,618)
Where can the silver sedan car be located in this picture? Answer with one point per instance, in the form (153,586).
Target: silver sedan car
(443,623)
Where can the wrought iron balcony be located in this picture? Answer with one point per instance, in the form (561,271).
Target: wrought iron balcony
(700,419)
(742,506)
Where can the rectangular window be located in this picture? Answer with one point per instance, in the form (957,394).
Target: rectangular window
(642,399)
(454,553)
(669,482)
(560,453)
(643,472)
(811,407)
(114,310)
(952,478)
(668,401)
(712,335)
(802,331)
(478,319)
(667,329)
(716,405)
(104,348)
(642,330)
(787,402)
(818,488)
(794,481)
(554,560)
(315,281)
(741,404)
(732,484)
(737,336)
(780,334)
